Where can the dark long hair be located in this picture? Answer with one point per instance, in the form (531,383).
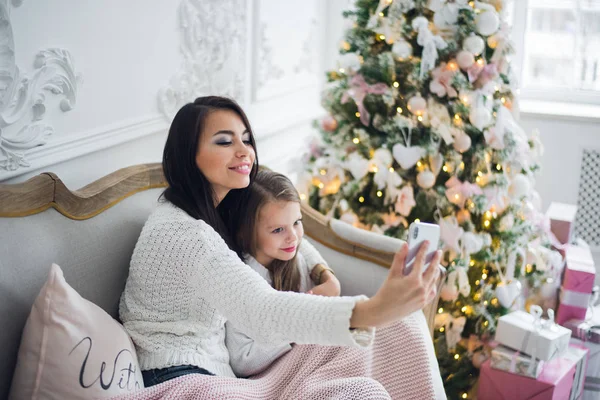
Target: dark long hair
(268,187)
(188,187)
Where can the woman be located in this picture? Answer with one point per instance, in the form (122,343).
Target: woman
(186,279)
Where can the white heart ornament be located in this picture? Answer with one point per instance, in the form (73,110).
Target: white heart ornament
(407,157)
(507,293)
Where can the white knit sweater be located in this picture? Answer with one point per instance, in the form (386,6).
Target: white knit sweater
(184,283)
(247,356)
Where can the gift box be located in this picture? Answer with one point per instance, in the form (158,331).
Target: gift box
(518,331)
(580,356)
(573,306)
(591,388)
(585,335)
(515,362)
(579,272)
(562,220)
(556,381)
(578,284)
(584,330)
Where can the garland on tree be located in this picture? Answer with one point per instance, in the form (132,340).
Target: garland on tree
(420,127)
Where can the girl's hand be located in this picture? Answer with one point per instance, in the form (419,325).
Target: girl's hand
(400,295)
(330,286)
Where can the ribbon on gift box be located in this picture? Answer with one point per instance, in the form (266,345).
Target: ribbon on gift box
(538,326)
(575,299)
(536,311)
(584,329)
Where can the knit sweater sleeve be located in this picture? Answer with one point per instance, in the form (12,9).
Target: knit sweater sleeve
(254,307)
(311,255)
(248,357)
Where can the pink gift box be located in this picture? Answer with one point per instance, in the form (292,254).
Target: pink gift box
(573,305)
(587,330)
(579,272)
(562,218)
(554,383)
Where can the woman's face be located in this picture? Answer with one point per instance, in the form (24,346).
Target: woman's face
(225,154)
(278,232)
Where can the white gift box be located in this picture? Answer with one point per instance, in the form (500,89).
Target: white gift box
(517,331)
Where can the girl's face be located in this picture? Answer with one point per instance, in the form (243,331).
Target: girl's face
(225,154)
(278,231)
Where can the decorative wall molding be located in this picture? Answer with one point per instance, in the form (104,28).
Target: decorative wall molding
(286,52)
(94,140)
(214,53)
(267,69)
(23,99)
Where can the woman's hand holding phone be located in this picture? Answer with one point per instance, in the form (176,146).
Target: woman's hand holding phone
(400,294)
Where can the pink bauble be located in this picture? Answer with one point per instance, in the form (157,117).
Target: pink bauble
(449,292)
(465,59)
(462,143)
(329,124)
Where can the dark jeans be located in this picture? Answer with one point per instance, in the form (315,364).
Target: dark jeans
(155,376)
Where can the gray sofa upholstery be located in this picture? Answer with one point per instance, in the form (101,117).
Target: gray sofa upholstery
(94,255)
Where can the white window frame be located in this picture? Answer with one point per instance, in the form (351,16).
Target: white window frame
(573,96)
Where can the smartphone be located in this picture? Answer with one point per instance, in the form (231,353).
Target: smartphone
(418,232)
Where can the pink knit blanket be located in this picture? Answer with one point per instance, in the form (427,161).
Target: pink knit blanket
(399,365)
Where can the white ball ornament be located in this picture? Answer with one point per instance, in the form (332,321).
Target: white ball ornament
(487,23)
(519,187)
(465,59)
(474,44)
(462,143)
(426,179)
(417,105)
(480,117)
(402,49)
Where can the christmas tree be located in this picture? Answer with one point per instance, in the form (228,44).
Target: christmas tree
(421,127)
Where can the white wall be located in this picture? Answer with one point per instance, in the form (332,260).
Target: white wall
(564,139)
(129,52)
(138,63)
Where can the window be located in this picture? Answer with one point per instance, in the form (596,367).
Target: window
(558,47)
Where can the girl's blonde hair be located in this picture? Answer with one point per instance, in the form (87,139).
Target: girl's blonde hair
(269,186)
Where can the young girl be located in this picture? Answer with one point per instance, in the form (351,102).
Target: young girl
(269,235)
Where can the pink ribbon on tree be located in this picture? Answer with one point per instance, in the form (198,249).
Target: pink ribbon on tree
(359,89)
(458,192)
(482,74)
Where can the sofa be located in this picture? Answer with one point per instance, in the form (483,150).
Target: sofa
(91,233)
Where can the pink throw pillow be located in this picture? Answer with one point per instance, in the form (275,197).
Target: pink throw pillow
(72,349)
